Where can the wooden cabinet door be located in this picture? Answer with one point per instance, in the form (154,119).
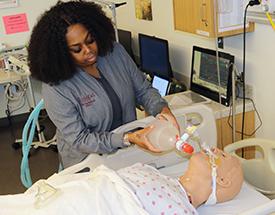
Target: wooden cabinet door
(225,131)
(204,17)
(184,15)
(198,17)
(194,16)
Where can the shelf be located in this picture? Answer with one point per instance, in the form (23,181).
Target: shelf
(259,17)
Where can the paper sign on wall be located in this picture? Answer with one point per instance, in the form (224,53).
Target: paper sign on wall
(15,23)
(8,3)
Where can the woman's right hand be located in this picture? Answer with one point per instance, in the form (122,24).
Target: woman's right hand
(140,138)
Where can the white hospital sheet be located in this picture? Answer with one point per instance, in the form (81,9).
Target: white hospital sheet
(245,200)
(101,192)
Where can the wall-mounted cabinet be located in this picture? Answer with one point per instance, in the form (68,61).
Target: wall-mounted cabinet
(197,17)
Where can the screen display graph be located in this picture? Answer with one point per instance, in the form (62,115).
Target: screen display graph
(205,78)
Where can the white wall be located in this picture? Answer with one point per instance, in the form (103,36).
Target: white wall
(260,64)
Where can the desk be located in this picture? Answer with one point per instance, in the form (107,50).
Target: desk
(224,131)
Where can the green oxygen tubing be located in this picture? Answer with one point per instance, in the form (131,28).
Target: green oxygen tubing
(29,128)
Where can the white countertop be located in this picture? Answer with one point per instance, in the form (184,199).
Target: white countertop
(220,111)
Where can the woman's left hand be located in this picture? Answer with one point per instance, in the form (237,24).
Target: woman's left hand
(166,114)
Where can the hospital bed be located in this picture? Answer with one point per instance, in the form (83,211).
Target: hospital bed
(172,163)
(247,202)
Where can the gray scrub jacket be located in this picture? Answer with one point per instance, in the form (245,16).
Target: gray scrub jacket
(82,112)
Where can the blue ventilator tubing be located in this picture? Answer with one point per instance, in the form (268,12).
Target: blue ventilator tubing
(27,142)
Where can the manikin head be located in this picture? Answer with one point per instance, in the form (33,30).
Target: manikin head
(197,180)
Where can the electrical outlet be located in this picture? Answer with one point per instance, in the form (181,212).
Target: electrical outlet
(248,90)
(220,42)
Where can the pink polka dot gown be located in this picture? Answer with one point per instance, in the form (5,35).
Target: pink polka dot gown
(159,194)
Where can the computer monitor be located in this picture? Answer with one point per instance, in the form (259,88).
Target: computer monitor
(204,76)
(125,39)
(154,56)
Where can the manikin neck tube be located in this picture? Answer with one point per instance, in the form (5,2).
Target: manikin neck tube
(191,130)
(212,199)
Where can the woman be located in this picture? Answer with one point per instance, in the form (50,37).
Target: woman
(90,84)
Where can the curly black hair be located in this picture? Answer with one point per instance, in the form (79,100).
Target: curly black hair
(48,53)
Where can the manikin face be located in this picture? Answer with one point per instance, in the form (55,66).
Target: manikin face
(82,46)
(197,179)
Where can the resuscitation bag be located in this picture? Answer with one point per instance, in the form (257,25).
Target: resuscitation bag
(165,136)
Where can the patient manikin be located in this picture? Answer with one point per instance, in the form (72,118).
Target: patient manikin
(198,179)
(161,194)
(138,189)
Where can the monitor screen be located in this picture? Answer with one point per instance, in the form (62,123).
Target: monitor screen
(204,75)
(154,56)
(125,39)
(161,85)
